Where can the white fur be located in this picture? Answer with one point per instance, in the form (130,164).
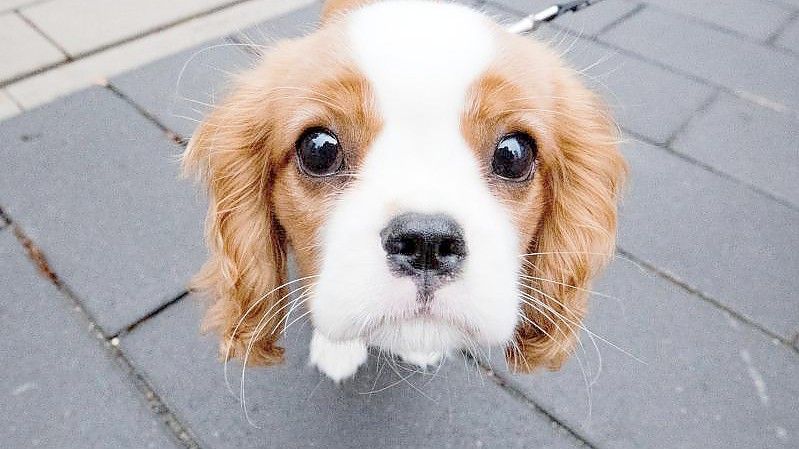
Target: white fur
(338,360)
(420,58)
(422,359)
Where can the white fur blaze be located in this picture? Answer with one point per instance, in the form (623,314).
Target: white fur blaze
(420,59)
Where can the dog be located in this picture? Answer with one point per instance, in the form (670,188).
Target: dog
(441,183)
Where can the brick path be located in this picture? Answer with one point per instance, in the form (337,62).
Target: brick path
(54,47)
(698,336)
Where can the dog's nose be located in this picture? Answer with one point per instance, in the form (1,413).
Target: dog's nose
(424,244)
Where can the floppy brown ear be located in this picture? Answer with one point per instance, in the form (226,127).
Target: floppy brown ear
(247,260)
(577,234)
(333,9)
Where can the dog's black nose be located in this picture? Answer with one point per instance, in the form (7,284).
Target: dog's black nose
(424,245)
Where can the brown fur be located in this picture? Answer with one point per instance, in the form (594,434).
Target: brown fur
(244,152)
(260,204)
(567,213)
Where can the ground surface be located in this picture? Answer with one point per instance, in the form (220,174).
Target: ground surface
(100,343)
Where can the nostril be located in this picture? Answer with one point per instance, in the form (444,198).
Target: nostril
(409,246)
(451,247)
(402,245)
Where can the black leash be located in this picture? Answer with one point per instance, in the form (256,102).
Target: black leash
(531,22)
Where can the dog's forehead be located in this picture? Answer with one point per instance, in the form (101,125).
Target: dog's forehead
(420,57)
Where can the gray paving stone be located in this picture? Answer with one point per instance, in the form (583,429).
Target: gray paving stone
(59,387)
(179,89)
(23,49)
(293,24)
(646,99)
(8,108)
(714,234)
(642,95)
(3,221)
(293,406)
(703,379)
(499,13)
(710,54)
(95,185)
(754,18)
(178,98)
(588,22)
(6,5)
(749,142)
(80,26)
(790,37)
(79,74)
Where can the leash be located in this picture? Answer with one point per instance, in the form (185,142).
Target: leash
(533,21)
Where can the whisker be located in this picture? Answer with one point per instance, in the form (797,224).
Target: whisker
(244,366)
(583,327)
(265,319)
(563,318)
(609,255)
(596,293)
(243,317)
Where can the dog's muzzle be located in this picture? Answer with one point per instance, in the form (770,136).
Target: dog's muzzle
(429,248)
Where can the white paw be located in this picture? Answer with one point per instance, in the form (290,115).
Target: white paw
(337,360)
(422,359)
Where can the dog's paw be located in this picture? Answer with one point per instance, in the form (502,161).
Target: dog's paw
(337,360)
(422,359)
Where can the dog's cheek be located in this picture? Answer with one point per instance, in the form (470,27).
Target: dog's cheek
(500,241)
(299,212)
(490,292)
(306,218)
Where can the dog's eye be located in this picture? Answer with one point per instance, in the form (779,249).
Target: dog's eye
(514,157)
(319,152)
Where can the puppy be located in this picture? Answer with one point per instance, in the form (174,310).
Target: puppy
(441,183)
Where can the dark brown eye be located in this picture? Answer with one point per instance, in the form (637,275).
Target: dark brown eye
(319,152)
(514,157)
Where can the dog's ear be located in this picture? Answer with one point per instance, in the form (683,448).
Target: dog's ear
(247,264)
(333,9)
(577,235)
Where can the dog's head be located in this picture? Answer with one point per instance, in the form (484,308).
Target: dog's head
(440,181)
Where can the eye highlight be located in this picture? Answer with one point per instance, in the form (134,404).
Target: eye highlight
(319,152)
(514,157)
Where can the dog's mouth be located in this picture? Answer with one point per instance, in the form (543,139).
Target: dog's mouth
(429,312)
(422,310)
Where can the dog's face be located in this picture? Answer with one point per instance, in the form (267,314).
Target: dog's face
(441,182)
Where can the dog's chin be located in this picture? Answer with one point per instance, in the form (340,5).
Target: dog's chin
(425,327)
(422,334)
(422,327)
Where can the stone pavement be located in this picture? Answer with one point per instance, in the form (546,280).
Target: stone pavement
(51,48)
(695,337)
